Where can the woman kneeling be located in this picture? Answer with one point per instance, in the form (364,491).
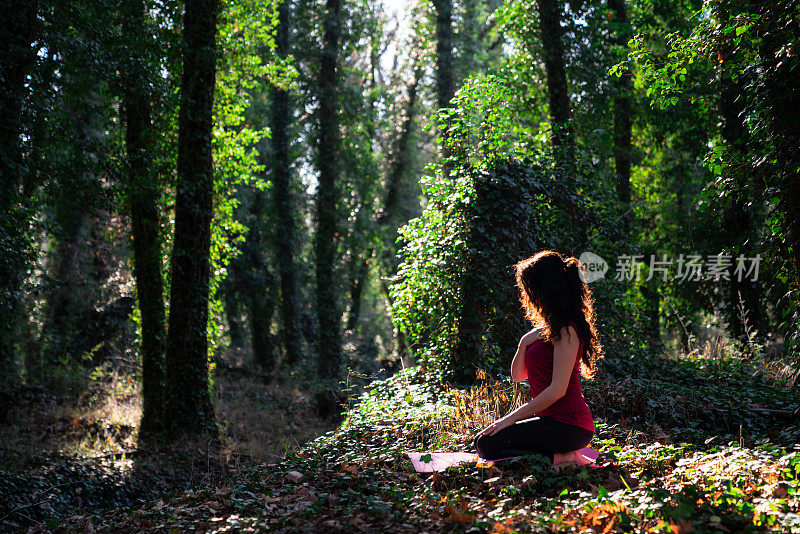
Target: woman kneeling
(562,346)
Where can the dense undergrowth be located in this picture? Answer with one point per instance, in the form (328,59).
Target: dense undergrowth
(692,448)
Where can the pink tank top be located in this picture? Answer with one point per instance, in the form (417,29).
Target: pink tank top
(571,408)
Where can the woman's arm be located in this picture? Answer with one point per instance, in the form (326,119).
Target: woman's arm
(518,370)
(565,352)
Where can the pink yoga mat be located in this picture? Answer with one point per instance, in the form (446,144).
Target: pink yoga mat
(439,461)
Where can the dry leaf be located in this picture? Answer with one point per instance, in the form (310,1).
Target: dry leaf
(295,476)
(349,468)
(500,528)
(683,527)
(457,515)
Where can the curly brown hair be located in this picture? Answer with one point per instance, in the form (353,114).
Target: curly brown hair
(553,294)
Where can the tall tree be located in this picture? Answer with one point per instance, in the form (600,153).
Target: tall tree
(359,261)
(743,295)
(142,198)
(558,97)
(445,87)
(326,232)
(188,408)
(257,287)
(780,28)
(387,218)
(557,91)
(282,197)
(623,90)
(17,57)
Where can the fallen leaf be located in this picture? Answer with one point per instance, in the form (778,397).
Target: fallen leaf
(457,515)
(295,476)
(500,528)
(683,527)
(349,468)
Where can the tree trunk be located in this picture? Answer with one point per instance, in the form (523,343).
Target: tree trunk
(17,56)
(471,40)
(257,288)
(326,234)
(444,68)
(652,298)
(143,194)
(744,306)
(558,97)
(76,274)
(558,94)
(358,268)
(356,289)
(444,52)
(188,408)
(283,201)
(232,311)
(623,89)
(783,99)
(261,309)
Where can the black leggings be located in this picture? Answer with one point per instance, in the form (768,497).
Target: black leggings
(537,435)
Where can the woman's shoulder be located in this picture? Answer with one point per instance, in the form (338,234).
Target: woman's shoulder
(570,332)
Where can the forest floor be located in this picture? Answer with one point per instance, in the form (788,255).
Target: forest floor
(695,445)
(72,449)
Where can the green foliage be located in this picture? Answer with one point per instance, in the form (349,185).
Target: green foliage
(681,70)
(454,294)
(659,478)
(246,42)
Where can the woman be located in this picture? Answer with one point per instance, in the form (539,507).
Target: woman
(562,345)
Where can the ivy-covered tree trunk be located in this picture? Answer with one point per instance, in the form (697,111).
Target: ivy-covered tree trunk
(142,196)
(744,306)
(780,26)
(283,201)
(557,91)
(623,89)
(489,315)
(17,56)
(325,245)
(188,408)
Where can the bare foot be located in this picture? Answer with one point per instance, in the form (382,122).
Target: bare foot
(580,459)
(561,457)
(564,459)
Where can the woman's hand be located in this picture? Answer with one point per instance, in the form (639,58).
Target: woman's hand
(496,427)
(529,338)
